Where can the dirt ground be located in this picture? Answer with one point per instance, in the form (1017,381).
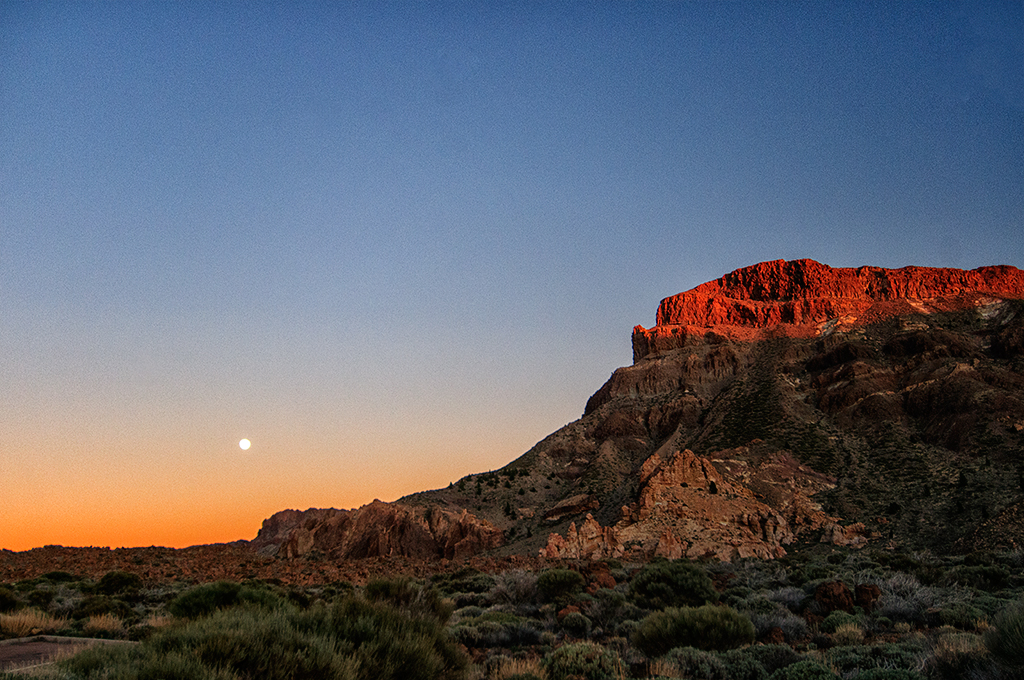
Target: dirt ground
(23,653)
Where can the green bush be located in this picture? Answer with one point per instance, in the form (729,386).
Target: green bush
(559,585)
(351,640)
(807,669)
(696,663)
(671,584)
(60,577)
(740,665)
(118,583)
(576,625)
(889,674)
(1006,637)
(97,605)
(412,597)
(899,656)
(8,600)
(836,619)
(205,599)
(772,657)
(707,627)
(583,661)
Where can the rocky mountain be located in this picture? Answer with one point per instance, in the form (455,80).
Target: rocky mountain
(784,403)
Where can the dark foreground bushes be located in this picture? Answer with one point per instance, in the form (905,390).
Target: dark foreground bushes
(709,628)
(350,640)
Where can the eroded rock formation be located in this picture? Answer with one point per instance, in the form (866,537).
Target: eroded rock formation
(377,530)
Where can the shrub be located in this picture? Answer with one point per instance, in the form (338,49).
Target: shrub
(707,627)
(740,665)
(889,674)
(1006,637)
(836,619)
(807,669)
(96,605)
(8,600)
(411,597)
(118,582)
(205,599)
(559,585)
(848,660)
(576,625)
(59,577)
(956,655)
(515,587)
(961,615)
(773,657)
(583,660)
(672,584)
(696,663)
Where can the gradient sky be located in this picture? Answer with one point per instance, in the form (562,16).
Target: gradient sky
(397,243)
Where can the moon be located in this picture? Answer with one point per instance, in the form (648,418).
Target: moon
(244,444)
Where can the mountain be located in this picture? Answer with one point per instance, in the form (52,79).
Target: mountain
(785,403)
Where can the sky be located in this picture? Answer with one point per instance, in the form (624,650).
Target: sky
(393,244)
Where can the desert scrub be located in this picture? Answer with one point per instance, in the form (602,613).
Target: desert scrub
(350,640)
(708,627)
(836,619)
(583,660)
(497,629)
(559,585)
(516,587)
(957,655)
(207,598)
(27,622)
(808,669)
(900,656)
(663,584)
(409,596)
(848,634)
(8,600)
(694,663)
(1006,637)
(119,583)
(103,625)
(576,625)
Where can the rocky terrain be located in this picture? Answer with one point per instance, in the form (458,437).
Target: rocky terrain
(788,403)
(785,404)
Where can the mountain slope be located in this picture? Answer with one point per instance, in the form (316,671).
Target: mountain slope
(785,402)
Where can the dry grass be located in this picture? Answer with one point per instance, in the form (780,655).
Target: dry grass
(159,620)
(512,667)
(848,634)
(103,623)
(30,622)
(663,669)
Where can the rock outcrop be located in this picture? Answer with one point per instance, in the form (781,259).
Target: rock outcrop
(377,530)
(784,403)
(804,298)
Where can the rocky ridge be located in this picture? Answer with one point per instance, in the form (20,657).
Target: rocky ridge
(785,403)
(377,529)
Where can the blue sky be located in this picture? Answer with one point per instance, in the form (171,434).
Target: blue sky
(397,243)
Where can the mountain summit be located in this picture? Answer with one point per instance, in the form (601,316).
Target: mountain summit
(784,403)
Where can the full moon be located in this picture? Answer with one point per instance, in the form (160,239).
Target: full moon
(244,444)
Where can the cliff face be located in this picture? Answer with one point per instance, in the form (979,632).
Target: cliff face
(804,298)
(376,530)
(784,403)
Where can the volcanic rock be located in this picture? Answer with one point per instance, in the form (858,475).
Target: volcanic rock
(785,402)
(833,596)
(377,530)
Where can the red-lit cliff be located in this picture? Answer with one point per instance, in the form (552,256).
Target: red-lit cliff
(785,403)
